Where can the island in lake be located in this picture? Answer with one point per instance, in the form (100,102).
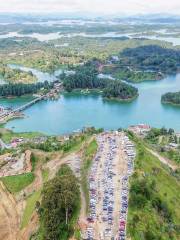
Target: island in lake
(86,77)
(171,98)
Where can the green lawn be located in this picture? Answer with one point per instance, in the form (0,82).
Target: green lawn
(159,216)
(34,161)
(91,149)
(30,207)
(75,144)
(16,183)
(45,175)
(8,135)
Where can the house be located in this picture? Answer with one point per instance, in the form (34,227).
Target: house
(140,129)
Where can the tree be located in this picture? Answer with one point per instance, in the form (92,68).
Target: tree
(20,89)
(171,131)
(164,131)
(60,202)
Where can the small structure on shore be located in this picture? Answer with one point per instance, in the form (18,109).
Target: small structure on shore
(140,129)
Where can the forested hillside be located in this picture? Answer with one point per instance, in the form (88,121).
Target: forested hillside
(154,198)
(171,98)
(87,77)
(152,57)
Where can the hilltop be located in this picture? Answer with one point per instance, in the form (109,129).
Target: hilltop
(153,210)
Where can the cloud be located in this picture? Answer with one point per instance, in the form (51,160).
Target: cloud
(94,6)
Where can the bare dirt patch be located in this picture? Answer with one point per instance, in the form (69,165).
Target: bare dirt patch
(9,217)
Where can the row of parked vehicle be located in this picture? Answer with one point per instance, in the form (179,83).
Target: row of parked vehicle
(93,186)
(102,190)
(108,189)
(130,152)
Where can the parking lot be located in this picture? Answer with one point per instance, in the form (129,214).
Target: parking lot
(108,187)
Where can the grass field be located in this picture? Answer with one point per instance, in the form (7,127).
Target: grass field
(7,135)
(30,207)
(154,211)
(45,175)
(74,145)
(89,153)
(16,183)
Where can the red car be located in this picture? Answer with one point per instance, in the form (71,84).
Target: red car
(122,228)
(122,223)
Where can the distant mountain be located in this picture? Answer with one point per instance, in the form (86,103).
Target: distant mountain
(40,17)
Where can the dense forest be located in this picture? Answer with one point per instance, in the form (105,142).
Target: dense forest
(60,205)
(144,63)
(118,89)
(20,89)
(87,77)
(153,58)
(172,98)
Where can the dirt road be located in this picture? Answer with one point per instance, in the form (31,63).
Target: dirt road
(164,160)
(9,217)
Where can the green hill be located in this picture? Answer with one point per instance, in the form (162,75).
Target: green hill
(154,199)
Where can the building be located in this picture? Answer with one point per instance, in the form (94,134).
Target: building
(140,129)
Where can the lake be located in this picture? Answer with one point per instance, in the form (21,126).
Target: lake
(56,35)
(74,110)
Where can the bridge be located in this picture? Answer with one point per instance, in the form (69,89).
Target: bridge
(23,107)
(11,113)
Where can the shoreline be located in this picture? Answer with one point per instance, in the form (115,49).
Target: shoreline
(170,103)
(143,80)
(13,97)
(100,92)
(121,100)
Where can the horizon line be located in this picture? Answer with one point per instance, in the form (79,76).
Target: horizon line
(163,14)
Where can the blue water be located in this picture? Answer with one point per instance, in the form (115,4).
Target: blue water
(74,111)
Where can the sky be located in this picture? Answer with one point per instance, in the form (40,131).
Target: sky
(94,6)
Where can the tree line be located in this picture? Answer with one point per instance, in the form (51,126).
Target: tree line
(87,77)
(173,98)
(152,57)
(20,89)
